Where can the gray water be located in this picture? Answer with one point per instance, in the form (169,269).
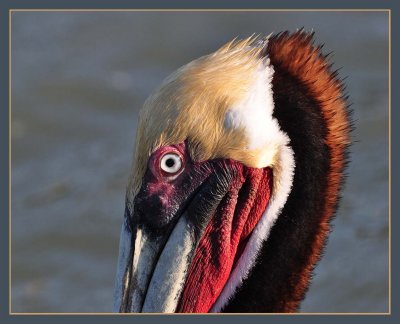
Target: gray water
(78,81)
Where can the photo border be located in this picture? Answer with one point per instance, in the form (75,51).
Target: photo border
(18,6)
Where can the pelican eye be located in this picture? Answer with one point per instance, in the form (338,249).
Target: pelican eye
(171,163)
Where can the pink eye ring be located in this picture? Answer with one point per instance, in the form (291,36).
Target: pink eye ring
(171,163)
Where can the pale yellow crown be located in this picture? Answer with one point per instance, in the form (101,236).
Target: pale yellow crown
(192,103)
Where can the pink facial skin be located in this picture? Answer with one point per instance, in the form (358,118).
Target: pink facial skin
(164,195)
(155,161)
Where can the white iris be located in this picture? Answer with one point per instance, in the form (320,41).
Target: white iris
(171,163)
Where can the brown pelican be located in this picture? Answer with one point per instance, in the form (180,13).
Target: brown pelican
(236,174)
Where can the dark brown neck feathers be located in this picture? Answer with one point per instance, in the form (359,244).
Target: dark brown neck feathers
(311,109)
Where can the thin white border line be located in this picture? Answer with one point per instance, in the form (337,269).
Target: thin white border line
(9,160)
(194,10)
(390,161)
(208,10)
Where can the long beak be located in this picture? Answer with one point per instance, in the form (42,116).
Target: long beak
(152,266)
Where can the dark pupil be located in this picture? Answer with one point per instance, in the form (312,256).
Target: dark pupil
(170,163)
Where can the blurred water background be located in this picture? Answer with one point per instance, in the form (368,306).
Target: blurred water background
(78,81)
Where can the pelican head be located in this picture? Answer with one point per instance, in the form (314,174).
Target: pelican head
(237,169)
